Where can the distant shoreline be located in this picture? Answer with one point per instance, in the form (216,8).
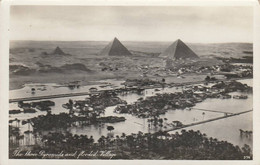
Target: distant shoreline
(240,42)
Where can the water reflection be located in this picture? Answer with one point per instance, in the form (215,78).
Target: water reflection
(52,88)
(224,129)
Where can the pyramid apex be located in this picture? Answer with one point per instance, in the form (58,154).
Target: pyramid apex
(116,39)
(57,48)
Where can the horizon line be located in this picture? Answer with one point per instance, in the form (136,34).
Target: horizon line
(131,41)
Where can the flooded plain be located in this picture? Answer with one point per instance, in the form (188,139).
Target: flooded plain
(225,129)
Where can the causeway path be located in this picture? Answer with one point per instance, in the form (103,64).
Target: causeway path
(206,121)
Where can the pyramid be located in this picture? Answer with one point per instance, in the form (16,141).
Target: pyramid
(58,51)
(179,50)
(115,48)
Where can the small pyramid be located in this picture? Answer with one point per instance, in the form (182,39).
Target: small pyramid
(179,50)
(58,51)
(115,48)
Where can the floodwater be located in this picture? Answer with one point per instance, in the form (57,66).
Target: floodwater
(242,64)
(223,129)
(227,129)
(52,88)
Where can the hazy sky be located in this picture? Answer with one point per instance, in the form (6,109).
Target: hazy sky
(191,24)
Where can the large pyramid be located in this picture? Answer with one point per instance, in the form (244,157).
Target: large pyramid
(115,48)
(179,50)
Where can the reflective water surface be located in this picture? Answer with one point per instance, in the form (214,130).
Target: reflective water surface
(224,129)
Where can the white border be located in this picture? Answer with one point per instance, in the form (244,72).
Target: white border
(4,72)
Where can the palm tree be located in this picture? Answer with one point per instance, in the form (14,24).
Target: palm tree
(130,140)
(16,120)
(148,121)
(123,137)
(110,128)
(117,140)
(18,123)
(203,114)
(101,141)
(21,137)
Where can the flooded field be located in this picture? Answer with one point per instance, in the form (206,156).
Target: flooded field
(224,129)
(52,88)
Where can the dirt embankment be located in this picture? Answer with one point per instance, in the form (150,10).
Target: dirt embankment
(17,82)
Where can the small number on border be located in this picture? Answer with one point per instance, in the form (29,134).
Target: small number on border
(247,157)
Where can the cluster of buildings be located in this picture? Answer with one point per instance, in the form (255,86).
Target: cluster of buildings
(190,95)
(94,105)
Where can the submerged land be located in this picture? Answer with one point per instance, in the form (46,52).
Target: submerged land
(183,84)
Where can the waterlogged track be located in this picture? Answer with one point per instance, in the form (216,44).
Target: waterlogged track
(200,109)
(49,97)
(206,121)
(56,96)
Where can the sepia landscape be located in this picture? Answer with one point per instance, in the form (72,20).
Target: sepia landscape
(126,99)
